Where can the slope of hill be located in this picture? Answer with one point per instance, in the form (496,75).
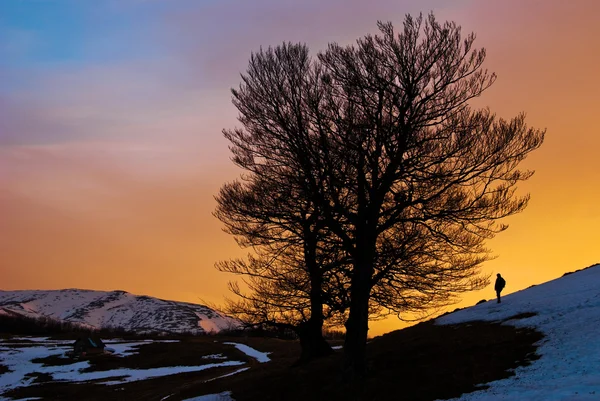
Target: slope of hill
(115,309)
(567,312)
(540,343)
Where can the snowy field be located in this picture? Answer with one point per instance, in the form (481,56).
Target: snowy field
(19,353)
(568,313)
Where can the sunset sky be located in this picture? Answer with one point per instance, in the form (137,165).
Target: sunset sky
(111,149)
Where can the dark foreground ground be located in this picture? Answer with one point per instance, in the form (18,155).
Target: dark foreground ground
(423,362)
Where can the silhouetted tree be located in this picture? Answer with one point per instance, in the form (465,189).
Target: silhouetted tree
(379,139)
(289,278)
(279,294)
(295,281)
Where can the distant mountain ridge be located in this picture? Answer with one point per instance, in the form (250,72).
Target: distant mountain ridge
(116,309)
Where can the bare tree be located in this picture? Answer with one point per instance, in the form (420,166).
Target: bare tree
(424,168)
(290,275)
(294,279)
(279,294)
(379,138)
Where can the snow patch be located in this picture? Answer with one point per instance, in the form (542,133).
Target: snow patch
(251,352)
(224,396)
(214,356)
(131,375)
(228,374)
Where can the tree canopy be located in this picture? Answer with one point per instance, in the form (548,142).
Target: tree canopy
(369,164)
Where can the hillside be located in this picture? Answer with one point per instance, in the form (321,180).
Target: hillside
(567,311)
(405,362)
(540,343)
(115,309)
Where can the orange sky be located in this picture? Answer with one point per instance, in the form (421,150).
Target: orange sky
(108,165)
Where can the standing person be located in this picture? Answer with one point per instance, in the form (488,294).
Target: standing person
(499,286)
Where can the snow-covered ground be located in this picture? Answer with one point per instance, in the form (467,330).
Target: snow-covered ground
(251,352)
(131,375)
(18,355)
(568,313)
(225,396)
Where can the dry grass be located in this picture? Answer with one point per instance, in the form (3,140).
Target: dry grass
(424,362)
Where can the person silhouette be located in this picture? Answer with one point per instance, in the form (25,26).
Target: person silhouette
(499,286)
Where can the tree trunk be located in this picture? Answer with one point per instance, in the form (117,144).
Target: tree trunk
(311,332)
(312,342)
(357,325)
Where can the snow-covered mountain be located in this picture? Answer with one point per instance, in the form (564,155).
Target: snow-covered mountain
(567,312)
(116,309)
